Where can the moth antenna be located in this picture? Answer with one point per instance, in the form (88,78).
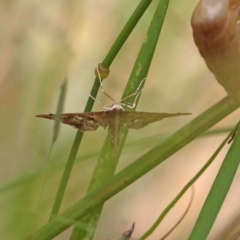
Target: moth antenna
(101,85)
(103,107)
(136,92)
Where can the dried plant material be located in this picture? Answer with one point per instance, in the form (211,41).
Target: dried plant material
(216,32)
(127,235)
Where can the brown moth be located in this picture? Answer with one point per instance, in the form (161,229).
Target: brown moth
(113,118)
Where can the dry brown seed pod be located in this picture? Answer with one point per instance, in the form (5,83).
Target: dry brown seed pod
(216,32)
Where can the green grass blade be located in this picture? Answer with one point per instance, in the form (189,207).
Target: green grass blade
(137,169)
(106,64)
(186,187)
(20,181)
(107,161)
(66,175)
(59,111)
(218,192)
(131,23)
(56,128)
(142,143)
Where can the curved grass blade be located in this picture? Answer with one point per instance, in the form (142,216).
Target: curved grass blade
(137,169)
(59,111)
(218,192)
(56,128)
(182,217)
(187,186)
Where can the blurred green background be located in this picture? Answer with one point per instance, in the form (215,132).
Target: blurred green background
(44,41)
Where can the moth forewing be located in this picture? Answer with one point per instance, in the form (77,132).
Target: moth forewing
(82,121)
(136,120)
(112,119)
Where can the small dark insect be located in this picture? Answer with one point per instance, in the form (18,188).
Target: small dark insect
(113,118)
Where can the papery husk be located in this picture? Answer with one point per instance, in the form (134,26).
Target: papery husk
(216,33)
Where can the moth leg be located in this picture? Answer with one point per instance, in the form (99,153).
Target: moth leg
(134,103)
(136,92)
(106,108)
(127,105)
(101,85)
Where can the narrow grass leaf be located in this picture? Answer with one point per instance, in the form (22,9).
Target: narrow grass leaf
(218,192)
(59,111)
(56,127)
(182,217)
(186,187)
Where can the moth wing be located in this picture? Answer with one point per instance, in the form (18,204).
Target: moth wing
(138,120)
(82,121)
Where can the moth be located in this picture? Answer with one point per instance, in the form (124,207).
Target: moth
(113,118)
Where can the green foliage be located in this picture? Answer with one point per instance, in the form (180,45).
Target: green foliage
(218,192)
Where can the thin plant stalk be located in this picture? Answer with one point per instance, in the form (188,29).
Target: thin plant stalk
(218,192)
(59,110)
(56,127)
(186,187)
(182,217)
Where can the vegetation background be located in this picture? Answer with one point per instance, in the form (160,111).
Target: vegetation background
(44,41)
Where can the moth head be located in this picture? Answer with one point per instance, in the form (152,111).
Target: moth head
(116,106)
